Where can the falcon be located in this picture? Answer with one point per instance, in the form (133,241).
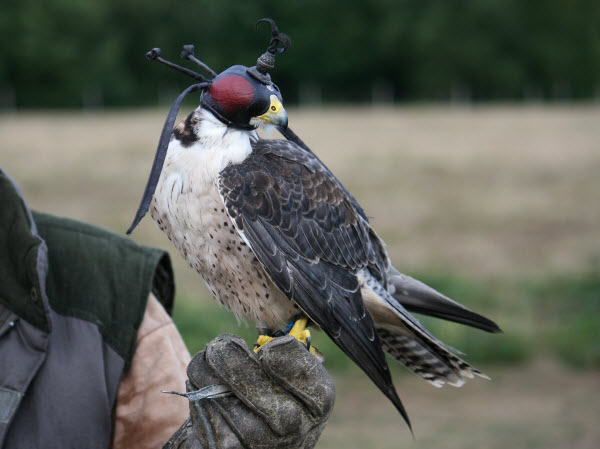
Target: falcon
(279,240)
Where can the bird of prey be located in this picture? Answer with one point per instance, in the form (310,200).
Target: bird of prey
(278,239)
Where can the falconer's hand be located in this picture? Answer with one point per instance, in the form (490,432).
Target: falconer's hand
(278,398)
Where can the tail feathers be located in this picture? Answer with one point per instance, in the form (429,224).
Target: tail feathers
(428,360)
(408,341)
(420,298)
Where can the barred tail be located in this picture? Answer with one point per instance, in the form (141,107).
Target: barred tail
(408,341)
(434,363)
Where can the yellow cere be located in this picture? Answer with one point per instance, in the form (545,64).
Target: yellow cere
(276,105)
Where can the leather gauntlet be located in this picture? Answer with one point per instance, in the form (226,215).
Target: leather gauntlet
(278,398)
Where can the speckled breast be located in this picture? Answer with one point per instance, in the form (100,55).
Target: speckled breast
(194,219)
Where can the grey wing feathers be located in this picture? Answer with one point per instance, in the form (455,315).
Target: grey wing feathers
(412,294)
(420,298)
(411,343)
(311,241)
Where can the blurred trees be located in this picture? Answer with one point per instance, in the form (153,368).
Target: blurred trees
(60,53)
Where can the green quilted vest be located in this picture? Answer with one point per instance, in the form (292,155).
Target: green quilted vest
(72,297)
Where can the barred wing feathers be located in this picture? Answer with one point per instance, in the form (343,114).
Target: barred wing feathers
(412,294)
(310,239)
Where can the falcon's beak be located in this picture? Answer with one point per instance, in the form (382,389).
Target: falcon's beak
(275,115)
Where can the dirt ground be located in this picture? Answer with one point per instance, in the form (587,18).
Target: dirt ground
(541,405)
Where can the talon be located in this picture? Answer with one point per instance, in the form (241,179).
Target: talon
(300,333)
(297,330)
(318,354)
(305,338)
(261,341)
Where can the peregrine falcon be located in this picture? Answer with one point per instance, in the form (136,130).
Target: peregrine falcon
(278,239)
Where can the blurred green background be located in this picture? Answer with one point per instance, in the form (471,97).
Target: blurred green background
(469,132)
(60,53)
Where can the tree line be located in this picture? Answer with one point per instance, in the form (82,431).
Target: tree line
(61,53)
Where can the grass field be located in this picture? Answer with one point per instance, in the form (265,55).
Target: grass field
(497,206)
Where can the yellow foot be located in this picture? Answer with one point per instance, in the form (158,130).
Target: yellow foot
(302,334)
(299,332)
(261,341)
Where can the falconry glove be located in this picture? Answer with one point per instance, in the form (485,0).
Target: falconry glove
(278,398)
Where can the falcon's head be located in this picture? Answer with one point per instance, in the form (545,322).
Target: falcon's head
(237,98)
(240,97)
(244,97)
